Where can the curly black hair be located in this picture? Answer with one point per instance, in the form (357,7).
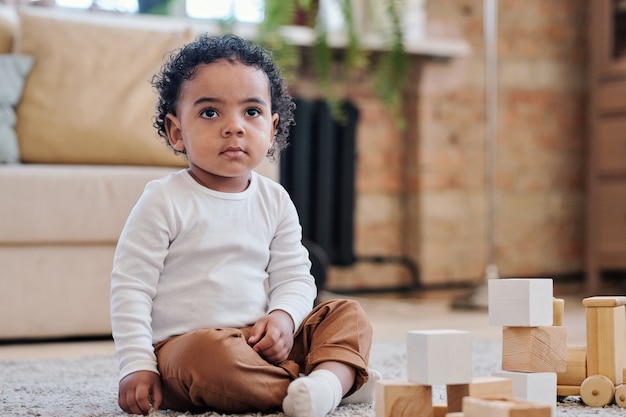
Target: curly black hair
(181,65)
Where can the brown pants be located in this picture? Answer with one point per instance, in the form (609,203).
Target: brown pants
(216,369)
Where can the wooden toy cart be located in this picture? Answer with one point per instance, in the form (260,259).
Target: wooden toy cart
(596,372)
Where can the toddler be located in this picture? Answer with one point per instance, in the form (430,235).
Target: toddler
(211,291)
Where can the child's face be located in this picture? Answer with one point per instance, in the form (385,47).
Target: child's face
(224,122)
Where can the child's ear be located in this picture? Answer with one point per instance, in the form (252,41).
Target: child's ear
(275,120)
(174,132)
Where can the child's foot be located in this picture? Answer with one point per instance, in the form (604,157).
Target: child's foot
(314,395)
(365,394)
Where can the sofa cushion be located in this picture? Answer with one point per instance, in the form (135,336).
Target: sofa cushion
(13,70)
(55,291)
(88,99)
(69,204)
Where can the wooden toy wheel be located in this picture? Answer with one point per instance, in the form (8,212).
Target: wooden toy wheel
(597,391)
(620,395)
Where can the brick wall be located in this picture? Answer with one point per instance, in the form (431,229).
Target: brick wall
(421,192)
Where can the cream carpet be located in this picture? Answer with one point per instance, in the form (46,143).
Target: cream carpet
(88,386)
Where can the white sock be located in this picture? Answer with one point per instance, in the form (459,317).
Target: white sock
(314,395)
(365,394)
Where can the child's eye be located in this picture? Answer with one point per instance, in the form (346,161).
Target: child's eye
(253,112)
(209,113)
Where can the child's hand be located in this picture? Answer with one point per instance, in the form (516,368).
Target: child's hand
(139,392)
(272,336)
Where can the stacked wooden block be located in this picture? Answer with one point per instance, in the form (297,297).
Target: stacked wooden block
(535,358)
(444,357)
(534,345)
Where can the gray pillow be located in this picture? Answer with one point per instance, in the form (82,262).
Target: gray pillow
(13,71)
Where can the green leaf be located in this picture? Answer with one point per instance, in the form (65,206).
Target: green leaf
(390,73)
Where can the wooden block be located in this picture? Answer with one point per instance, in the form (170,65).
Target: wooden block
(481,387)
(604,301)
(568,390)
(491,386)
(576,370)
(480,407)
(520,302)
(534,349)
(439,357)
(606,337)
(558,308)
(455,415)
(440,410)
(402,399)
(536,387)
(455,395)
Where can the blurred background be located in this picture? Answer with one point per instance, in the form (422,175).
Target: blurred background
(398,181)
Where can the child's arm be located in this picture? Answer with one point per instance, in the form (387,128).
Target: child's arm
(138,260)
(140,392)
(272,336)
(291,287)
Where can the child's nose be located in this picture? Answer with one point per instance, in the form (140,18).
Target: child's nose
(233,126)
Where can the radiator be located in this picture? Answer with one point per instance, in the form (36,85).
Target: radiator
(318,170)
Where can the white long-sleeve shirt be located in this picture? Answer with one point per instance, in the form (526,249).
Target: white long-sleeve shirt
(190,257)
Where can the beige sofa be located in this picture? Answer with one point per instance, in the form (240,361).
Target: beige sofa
(86,149)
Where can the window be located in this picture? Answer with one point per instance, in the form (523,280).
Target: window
(249,11)
(129,6)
